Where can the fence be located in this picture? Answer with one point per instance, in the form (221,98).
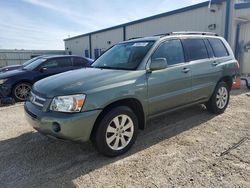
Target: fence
(13,57)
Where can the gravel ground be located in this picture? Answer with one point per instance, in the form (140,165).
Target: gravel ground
(180,149)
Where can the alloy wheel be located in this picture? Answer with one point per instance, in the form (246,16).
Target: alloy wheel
(222,97)
(22,91)
(119,132)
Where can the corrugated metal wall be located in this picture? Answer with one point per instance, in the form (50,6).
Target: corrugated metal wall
(194,20)
(105,40)
(198,19)
(13,57)
(77,46)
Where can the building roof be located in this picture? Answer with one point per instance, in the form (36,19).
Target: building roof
(58,56)
(192,7)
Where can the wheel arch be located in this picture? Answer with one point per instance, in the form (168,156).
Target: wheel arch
(21,81)
(228,80)
(132,103)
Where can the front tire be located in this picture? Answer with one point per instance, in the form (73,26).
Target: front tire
(218,102)
(116,132)
(20,92)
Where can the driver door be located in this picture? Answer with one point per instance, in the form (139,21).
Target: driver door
(171,87)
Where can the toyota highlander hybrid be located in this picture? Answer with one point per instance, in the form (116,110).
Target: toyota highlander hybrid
(131,83)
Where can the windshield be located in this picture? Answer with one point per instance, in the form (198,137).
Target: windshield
(29,61)
(125,56)
(34,64)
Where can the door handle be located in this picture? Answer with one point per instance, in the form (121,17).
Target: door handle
(185,70)
(215,63)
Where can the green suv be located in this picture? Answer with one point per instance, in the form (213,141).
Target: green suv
(129,84)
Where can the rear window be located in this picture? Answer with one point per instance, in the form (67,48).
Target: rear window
(77,61)
(218,47)
(195,49)
(64,62)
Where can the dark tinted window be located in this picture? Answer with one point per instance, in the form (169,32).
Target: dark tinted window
(209,49)
(50,64)
(55,63)
(172,51)
(218,48)
(77,61)
(64,62)
(195,49)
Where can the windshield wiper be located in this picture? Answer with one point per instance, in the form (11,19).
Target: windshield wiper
(104,67)
(107,67)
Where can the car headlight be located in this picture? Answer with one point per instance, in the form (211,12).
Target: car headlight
(2,81)
(70,103)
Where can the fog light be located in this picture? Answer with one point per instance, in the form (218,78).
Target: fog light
(56,127)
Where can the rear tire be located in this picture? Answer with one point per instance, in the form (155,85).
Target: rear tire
(20,91)
(218,102)
(116,132)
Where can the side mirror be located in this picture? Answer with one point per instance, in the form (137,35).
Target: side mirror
(42,69)
(158,64)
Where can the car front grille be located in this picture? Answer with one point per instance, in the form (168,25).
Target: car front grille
(37,100)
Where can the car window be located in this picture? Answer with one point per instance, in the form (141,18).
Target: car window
(195,49)
(34,64)
(77,61)
(218,47)
(64,62)
(171,50)
(50,64)
(209,49)
(125,56)
(56,63)
(30,61)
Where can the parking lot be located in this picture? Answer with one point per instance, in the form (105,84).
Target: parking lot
(185,148)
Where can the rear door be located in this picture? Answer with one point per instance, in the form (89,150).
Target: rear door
(202,62)
(170,87)
(220,51)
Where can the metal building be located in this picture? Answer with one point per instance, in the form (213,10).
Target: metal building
(15,57)
(228,18)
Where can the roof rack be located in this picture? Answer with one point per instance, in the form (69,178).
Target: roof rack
(188,33)
(134,38)
(181,33)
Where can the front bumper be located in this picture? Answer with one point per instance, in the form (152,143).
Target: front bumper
(75,127)
(5,90)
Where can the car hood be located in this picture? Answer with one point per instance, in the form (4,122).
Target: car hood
(11,73)
(85,80)
(10,67)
